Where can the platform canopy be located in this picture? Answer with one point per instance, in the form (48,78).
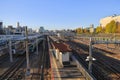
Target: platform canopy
(17,37)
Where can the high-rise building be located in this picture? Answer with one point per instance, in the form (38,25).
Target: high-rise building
(10,29)
(19,28)
(41,29)
(18,25)
(1,27)
(91,29)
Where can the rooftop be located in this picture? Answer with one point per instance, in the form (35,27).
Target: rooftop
(62,47)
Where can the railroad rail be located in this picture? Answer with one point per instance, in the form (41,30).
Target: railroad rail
(46,60)
(104,68)
(113,72)
(36,72)
(8,74)
(3,58)
(43,62)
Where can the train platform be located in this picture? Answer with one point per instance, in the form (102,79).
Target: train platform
(68,72)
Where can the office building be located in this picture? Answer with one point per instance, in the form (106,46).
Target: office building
(106,20)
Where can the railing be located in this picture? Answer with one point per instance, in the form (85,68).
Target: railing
(85,73)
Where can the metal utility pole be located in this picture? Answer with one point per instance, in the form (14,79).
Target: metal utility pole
(115,39)
(37,45)
(27,53)
(90,56)
(10,50)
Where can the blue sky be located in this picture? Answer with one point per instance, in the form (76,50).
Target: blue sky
(57,14)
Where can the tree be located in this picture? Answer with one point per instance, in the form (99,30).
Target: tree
(114,28)
(99,29)
(108,28)
(118,27)
(79,30)
(111,27)
(86,30)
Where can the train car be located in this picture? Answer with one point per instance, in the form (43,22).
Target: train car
(3,43)
(20,53)
(32,47)
(18,48)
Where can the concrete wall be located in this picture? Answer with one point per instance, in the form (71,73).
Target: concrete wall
(84,71)
(60,58)
(56,53)
(66,57)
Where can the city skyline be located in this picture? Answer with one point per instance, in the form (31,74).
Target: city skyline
(56,14)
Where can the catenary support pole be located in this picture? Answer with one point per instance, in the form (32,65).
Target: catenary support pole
(10,50)
(90,56)
(37,46)
(27,53)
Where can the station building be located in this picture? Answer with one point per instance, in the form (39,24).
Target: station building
(62,52)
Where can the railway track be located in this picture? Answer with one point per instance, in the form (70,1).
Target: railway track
(8,74)
(36,72)
(81,59)
(4,58)
(103,65)
(46,61)
(43,62)
(111,65)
